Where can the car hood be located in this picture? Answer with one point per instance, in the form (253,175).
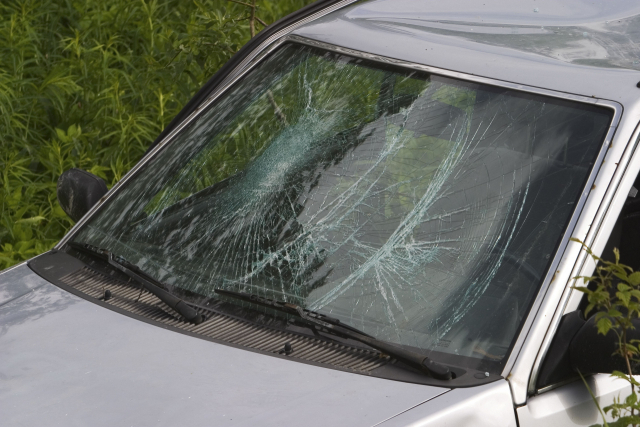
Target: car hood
(67,361)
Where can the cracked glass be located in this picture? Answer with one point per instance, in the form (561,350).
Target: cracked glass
(420,209)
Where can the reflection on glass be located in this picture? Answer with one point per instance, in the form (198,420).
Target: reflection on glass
(420,209)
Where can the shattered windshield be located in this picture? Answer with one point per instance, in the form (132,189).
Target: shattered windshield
(420,209)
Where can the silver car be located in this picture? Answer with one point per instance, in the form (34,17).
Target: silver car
(363,219)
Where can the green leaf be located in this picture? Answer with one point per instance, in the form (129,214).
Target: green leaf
(32,220)
(614,313)
(625,297)
(62,136)
(631,399)
(73,131)
(100,171)
(619,374)
(623,287)
(604,325)
(634,278)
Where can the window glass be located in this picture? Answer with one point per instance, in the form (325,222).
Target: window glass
(421,209)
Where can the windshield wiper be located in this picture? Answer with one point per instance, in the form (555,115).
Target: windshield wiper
(411,358)
(145,280)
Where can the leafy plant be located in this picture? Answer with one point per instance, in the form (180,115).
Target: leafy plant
(90,84)
(615,297)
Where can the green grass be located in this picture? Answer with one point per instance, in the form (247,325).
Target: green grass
(90,84)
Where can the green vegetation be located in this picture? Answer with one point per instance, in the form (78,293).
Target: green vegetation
(90,84)
(616,299)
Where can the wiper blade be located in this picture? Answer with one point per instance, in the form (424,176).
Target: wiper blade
(303,313)
(146,281)
(411,358)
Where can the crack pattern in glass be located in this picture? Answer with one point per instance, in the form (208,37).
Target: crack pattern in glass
(421,209)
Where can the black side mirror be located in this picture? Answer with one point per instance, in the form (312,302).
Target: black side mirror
(593,353)
(577,346)
(78,191)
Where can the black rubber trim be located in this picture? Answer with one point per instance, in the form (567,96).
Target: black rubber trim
(236,59)
(556,366)
(54,265)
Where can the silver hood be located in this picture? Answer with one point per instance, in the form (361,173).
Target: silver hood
(66,361)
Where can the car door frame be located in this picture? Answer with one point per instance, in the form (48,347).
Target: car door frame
(616,182)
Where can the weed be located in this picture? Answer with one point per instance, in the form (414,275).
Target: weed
(90,84)
(615,297)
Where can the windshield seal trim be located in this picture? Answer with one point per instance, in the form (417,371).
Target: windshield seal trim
(278,40)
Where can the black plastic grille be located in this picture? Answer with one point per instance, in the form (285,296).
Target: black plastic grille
(221,327)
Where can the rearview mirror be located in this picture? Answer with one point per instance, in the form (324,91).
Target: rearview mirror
(78,191)
(593,353)
(577,346)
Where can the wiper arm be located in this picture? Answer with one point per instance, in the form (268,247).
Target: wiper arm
(411,358)
(146,281)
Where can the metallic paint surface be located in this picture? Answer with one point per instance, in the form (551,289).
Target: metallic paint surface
(67,362)
(500,12)
(599,33)
(484,406)
(16,284)
(446,35)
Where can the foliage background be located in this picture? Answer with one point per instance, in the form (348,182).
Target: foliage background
(90,84)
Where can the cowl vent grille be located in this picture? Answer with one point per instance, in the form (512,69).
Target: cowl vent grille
(221,327)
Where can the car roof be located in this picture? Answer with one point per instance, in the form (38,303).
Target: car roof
(583,47)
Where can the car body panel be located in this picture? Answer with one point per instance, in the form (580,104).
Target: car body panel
(17,284)
(81,364)
(488,405)
(580,53)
